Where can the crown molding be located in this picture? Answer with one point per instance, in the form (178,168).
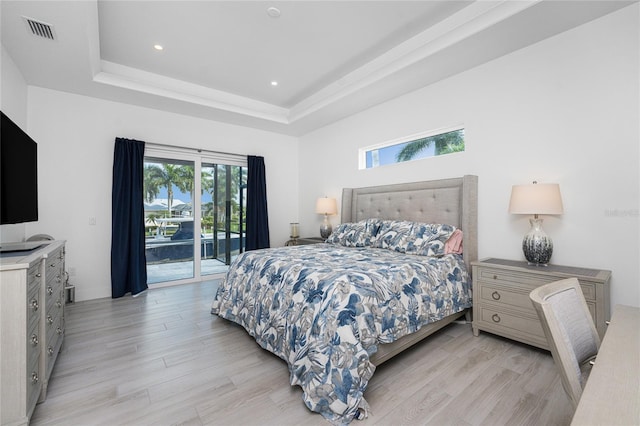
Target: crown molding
(154,84)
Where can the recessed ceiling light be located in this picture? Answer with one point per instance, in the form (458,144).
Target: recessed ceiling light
(274,83)
(158,47)
(274,12)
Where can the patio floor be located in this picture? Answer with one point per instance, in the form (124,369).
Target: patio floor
(163,272)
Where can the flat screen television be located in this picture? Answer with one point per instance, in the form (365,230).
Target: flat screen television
(18,174)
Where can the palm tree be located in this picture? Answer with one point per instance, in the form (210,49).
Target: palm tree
(445,143)
(156,177)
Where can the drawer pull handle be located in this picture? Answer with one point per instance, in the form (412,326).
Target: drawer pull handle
(34,378)
(495,277)
(34,305)
(38,275)
(58,303)
(58,279)
(59,330)
(34,339)
(50,351)
(495,318)
(49,320)
(495,295)
(49,290)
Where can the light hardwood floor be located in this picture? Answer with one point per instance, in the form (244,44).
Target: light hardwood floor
(163,359)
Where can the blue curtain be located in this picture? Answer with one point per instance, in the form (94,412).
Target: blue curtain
(257,218)
(128,263)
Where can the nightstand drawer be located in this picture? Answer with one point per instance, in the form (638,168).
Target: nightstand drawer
(512,322)
(510,277)
(503,296)
(588,290)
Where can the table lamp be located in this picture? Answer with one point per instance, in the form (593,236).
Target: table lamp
(326,206)
(536,199)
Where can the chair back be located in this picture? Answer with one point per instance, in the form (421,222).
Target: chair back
(569,329)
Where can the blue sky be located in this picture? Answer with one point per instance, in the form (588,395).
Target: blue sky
(177,194)
(387,155)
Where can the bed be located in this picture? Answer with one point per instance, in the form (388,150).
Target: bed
(334,311)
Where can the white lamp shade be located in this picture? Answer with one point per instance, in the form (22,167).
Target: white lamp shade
(536,198)
(326,206)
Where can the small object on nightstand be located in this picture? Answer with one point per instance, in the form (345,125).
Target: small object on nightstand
(295,233)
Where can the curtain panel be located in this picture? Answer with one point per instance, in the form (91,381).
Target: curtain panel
(257,217)
(128,263)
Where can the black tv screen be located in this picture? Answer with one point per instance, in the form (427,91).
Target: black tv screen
(18,174)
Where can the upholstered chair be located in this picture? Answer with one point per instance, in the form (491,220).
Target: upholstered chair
(570,332)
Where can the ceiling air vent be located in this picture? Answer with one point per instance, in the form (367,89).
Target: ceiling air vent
(40,29)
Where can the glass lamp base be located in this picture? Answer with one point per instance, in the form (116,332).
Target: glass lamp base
(325,228)
(536,245)
(325,231)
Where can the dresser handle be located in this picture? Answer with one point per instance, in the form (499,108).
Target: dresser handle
(58,303)
(34,305)
(34,339)
(495,318)
(495,295)
(34,378)
(59,330)
(38,275)
(50,351)
(49,290)
(49,320)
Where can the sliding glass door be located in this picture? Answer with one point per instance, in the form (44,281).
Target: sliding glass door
(189,237)
(223,214)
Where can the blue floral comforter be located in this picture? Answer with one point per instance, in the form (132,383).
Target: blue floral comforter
(325,308)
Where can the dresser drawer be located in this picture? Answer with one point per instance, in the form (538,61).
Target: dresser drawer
(54,342)
(33,276)
(34,343)
(34,307)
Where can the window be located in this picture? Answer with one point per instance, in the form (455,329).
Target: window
(423,145)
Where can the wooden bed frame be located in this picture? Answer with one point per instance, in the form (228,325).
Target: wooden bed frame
(449,201)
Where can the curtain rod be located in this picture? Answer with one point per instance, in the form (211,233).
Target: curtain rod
(198,150)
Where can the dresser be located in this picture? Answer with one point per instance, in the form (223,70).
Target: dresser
(501,303)
(31,327)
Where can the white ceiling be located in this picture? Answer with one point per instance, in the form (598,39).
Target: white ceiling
(330,58)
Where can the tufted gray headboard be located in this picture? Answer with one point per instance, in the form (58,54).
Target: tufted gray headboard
(451,201)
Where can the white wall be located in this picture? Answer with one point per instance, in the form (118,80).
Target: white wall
(13,102)
(75,136)
(564,110)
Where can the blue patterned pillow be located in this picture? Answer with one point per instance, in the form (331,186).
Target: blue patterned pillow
(424,239)
(359,234)
(428,239)
(392,235)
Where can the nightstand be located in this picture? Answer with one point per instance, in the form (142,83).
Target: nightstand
(305,241)
(501,303)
